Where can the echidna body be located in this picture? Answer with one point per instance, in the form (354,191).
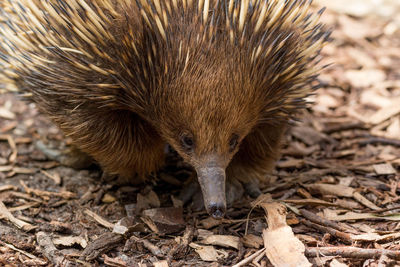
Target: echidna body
(216,79)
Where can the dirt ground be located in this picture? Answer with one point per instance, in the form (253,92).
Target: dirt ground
(338,178)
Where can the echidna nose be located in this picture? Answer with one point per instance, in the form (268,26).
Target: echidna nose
(217,210)
(212,183)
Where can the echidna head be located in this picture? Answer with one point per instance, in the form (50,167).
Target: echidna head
(204,115)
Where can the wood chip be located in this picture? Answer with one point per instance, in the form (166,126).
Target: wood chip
(100,220)
(357,196)
(54,176)
(384,169)
(6,114)
(101,245)
(49,250)
(115,262)
(69,241)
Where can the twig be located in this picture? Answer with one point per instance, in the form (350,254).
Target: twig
(29,255)
(245,261)
(344,127)
(99,219)
(352,252)
(321,221)
(344,236)
(5,213)
(46,194)
(378,140)
(7,187)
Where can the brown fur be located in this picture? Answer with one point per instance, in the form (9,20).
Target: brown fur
(149,75)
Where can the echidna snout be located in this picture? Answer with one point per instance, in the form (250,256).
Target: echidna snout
(212,182)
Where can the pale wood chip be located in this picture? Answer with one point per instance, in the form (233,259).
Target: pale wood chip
(6,114)
(360,198)
(384,169)
(69,241)
(100,220)
(54,176)
(115,262)
(22,170)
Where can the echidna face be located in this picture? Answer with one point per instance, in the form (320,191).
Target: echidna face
(204,119)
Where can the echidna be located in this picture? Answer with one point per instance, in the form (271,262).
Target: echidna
(217,80)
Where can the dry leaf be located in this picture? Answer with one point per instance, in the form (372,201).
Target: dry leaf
(164,220)
(222,240)
(282,247)
(206,253)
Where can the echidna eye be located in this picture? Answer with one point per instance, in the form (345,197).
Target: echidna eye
(233,142)
(187,142)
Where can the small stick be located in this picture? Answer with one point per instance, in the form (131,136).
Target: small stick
(344,236)
(378,140)
(245,261)
(5,213)
(322,221)
(29,255)
(99,219)
(352,252)
(47,194)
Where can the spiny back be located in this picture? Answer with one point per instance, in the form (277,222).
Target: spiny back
(116,53)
